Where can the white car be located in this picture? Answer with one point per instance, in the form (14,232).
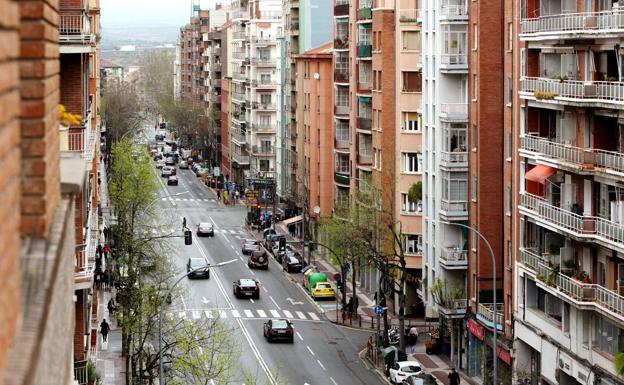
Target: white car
(160,163)
(166,172)
(402,370)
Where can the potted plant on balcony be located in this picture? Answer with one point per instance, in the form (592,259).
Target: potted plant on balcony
(544,95)
(93,377)
(415,192)
(581,276)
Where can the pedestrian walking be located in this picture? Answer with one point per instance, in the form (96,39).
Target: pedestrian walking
(111,307)
(105,232)
(183,223)
(99,250)
(104,329)
(218,194)
(106,250)
(453,377)
(98,261)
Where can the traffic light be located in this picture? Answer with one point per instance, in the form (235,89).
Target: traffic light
(339,285)
(188,237)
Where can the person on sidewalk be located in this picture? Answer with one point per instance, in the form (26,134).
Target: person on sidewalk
(104,329)
(218,194)
(453,377)
(111,307)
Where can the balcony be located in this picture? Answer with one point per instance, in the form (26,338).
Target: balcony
(263,61)
(364,50)
(589,25)
(342,178)
(365,13)
(341,111)
(75,28)
(485,314)
(451,11)
(240,158)
(263,151)
(365,159)
(341,143)
(241,77)
(455,308)
(263,106)
(586,295)
(264,39)
(453,210)
(238,97)
(341,43)
(341,76)
(85,255)
(341,8)
(454,112)
(454,63)
(239,35)
(216,67)
(239,137)
(80,372)
(581,227)
(263,83)
(408,16)
(454,159)
(364,123)
(577,92)
(240,15)
(454,258)
(271,127)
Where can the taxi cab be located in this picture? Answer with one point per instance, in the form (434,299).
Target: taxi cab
(323,290)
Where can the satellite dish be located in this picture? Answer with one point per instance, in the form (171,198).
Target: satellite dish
(317,76)
(317,209)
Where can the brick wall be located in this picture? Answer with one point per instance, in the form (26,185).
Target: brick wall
(9,179)
(79,328)
(39,73)
(72,83)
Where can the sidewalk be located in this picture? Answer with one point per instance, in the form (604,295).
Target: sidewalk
(109,362)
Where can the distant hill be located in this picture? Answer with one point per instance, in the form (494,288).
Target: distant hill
(115,35)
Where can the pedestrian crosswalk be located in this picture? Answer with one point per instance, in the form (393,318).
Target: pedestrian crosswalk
(188,199)
(217,231)
(244,314)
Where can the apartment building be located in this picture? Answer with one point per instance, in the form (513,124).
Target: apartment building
(212,82)
(49,245)
(569,314)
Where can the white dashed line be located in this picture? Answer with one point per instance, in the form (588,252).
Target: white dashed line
(321,364)
(261,313)
(251,300)
(265,289)
(208,314)
(299,335)
(232,232)
(332,380)
(274,302)
(288,314)
(196,315)
(274,313)
(223,314)
(310,350)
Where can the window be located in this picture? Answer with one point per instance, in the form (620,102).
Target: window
(412,81)
(510,36)
(364,35)
(264,164)
(548,304)
(475,36)
(365,73)
(411,40)
(509,145)
(412,162)
(475,186)
(265,78)
(413,243)
(475,238)
(607,337)
(264,119)
(265,99)
(342,197)
(411,122)
(475,84)
(342,163)
(509,201)
(266,146)
(410,207)
(342,97)
(342,131)
(509,90)
(265,54)
(475,137)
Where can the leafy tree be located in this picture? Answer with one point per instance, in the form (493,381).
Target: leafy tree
(415,192)
(618,361)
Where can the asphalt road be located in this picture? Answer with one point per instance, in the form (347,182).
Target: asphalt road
(322,353)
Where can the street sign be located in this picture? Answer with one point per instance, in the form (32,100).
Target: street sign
(378,310)
(231,185)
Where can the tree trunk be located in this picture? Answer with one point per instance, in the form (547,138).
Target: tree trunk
(402,311)
(353,281)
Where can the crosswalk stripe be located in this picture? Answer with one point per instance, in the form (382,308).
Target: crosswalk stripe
(184,199)
(288,314)
(205,200)
(178,199)
(261,313)
(249,313)
(235,313)
(301,315)
(232,232)
(208,314)
(223,314)
(313,316)
(274,313)
(196,315)
(182,314)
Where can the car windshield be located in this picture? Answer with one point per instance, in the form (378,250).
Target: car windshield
(204,224)
(280,324)
(411,369)
(424,379)
(293,259)
(247,282)
(323,286)
(197,262)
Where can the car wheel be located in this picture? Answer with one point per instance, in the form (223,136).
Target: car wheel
(292,340)
(257,296)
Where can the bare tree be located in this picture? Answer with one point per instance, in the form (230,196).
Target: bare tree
(121,111)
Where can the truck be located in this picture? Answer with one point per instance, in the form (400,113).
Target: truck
(311,278)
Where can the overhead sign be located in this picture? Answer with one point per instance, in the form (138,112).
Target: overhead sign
(476,329)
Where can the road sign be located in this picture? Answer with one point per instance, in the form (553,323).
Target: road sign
(378,310)
(231,185)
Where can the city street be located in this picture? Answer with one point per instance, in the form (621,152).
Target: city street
(322,352)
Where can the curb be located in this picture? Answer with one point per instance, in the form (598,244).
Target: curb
(369,366)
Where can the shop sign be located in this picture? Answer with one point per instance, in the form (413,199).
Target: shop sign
(504,355)
(410,277)
(476,329)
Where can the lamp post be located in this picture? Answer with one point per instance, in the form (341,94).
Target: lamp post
(161,370)
(494,310)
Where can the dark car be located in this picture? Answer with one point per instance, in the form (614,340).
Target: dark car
(172,181)
(279,329)
(205,228)
(291,263)
(258,259)
(246,287)
(250,245)
(272,240)
(421,379)
(198,268)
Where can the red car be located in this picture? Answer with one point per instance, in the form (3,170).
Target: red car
(173,171)
(258,259)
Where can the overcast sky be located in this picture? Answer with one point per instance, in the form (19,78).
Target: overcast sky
(117,13)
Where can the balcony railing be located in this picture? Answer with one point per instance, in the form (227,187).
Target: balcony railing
(341,110)
(239,35)
(455,111)
(238,95)
(455,61)
(263,151)
(341,143)
(454,307)
(80,372)
(341,76)
(264,127)
(364,50)
(239,55)
(577,225)
(454,208)
(263,39)
(451,11)
(364,123)
(485,313)
(263,106)
(576,90)
(454,257)
(263,61)
(341,8)
(588,293)
(263,83)
(75,28)
(239,137)
(609,160)
(589,22)
(551,149)
(342,178)
(365,13)
(240,15)
(408,16)
(454,159)
(75,140)
(240,159)
(365,159)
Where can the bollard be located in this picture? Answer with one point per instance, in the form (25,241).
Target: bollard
(372,323)
(360,322)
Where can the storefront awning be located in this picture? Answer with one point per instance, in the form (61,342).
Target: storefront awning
(540,173)
(292,220)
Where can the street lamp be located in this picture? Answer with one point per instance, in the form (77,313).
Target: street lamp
(161,375)
(494,305)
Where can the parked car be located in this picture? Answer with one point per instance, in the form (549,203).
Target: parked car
(291,263)
(401,370)
(160,163)
(271,240)
(170,161)
(246,287)
(267,232)
(172,181)
(184,165)
(323,290)
(250,245)
(205,228)
(279,329)
(198,268)
(421,379)
(165,172)
(258,259)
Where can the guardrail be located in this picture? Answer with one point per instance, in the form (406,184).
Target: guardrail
(450,254)
(486,310)
(453,10)
(454,206)
(75,28)
(458,59)
(609,160)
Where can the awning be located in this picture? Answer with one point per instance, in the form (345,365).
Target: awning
(292,220)
(540,173)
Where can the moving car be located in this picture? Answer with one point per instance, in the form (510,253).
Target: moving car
(205,228)
(170,161)
(250,245)
(279,329)
(401,370)
(173,170)
(184,165)
(421,379)
(258,259)
(246,287)
(172,181)
(291,263)
(160,163)
(198,268)
(323,290)
(166,172)
(267,232)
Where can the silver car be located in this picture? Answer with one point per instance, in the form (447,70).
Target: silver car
(205,228)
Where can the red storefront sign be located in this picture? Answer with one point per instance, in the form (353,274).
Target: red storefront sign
(504,355)
(476,329)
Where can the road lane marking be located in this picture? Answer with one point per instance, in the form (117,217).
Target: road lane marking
(214,223)
(275,313)
(310,350)
(222,314)
(251,271)
(208,314)
(299,335)
(241,258)
(182,314)
(251,300)
(235,313)
(249,314)
(261,313)
(321,364)
(332,380)
(205,300)
(232,232)
(313,316)
(288,314)
(301,315)
(265,289)
(274,301)
(215,275)
(196,315)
